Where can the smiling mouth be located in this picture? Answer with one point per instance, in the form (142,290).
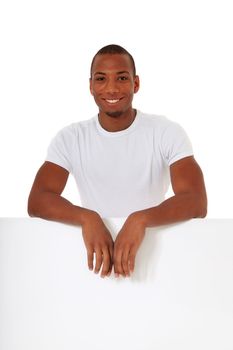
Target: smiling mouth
(112,101)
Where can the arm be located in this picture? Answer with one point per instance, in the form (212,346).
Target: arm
(189,201)
(45,201)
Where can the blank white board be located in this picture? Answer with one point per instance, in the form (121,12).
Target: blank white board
(179,297)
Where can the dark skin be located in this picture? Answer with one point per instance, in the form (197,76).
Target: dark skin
(113,86)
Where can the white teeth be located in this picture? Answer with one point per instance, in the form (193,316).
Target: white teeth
(112,101)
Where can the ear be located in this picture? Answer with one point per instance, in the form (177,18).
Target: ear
(90,85)
(136,84)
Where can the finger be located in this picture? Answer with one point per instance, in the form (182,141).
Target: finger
(117,263)
(98,260)
(110,249)
(125,261)
(106,262)
(132,255)
(90,257)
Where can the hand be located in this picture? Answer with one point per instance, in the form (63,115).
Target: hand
(98,241)
(126,245)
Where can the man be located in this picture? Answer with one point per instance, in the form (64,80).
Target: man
(122,160)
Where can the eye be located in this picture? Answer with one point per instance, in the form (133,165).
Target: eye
(123,77)
(99,78)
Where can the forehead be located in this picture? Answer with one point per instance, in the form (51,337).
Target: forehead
(108,63)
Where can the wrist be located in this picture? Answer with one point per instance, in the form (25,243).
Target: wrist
(86,215)
(139,218)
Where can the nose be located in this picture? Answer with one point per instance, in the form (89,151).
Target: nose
(112,86)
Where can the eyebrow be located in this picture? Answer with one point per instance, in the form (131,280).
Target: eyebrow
(121,72)
(99,73)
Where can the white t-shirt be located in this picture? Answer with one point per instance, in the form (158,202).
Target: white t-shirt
(120,172)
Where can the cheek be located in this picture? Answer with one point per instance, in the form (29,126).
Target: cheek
(131,94)
(93,92)
(96,90)
(97,100)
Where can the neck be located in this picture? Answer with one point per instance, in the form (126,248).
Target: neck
(117,123)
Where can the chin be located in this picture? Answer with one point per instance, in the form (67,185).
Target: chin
(115,114)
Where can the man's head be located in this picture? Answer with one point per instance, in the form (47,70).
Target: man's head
(114,50)
(113,80)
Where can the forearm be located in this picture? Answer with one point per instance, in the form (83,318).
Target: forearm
(177,208)
(52,206)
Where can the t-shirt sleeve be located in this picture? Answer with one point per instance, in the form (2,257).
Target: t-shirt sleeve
(61,149)
(175,144)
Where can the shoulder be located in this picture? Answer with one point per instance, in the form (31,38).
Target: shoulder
(157,123)
(74,129)
(166,132)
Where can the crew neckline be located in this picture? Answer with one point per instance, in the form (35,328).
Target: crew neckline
(118,133)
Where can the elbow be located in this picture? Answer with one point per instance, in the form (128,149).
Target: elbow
(203,213)
(32,208)
(201,207)
(39,206)
(30,212)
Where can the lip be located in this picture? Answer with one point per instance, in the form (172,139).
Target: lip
(112,101)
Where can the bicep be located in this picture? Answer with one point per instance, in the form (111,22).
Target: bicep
(186,177)
(50,178)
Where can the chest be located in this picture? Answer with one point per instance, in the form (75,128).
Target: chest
(128,158)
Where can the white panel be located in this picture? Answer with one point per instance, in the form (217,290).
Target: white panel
(179,297)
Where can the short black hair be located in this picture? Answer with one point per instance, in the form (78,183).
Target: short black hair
(114,49)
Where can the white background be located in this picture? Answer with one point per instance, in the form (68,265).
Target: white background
(183,53)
